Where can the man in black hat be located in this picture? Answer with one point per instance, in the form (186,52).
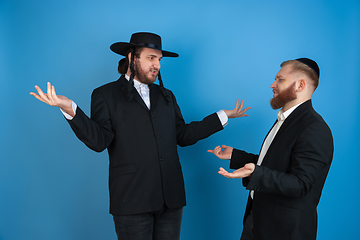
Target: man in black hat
(287,177)
(140,124)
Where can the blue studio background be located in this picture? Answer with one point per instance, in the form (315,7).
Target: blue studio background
(53,187)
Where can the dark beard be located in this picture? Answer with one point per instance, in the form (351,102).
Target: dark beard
(284,97)
(140,74)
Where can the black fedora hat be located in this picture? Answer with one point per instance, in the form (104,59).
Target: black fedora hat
(141,39)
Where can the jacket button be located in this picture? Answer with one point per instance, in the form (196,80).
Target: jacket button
(161,159)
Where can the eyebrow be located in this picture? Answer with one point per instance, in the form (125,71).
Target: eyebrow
(154,55)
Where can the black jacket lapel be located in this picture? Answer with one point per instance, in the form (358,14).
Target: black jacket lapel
(125,83)
(154,94)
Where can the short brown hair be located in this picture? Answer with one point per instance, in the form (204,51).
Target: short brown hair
(301,67)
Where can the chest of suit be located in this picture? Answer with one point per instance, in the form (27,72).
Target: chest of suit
(139,130)
(283,143)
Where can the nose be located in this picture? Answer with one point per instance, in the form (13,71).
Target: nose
(273,85)
(157,64)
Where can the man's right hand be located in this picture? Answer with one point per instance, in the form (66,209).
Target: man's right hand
(52,99)
(222,152)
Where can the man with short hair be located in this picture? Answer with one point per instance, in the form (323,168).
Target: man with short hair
(287,177)
(140,124)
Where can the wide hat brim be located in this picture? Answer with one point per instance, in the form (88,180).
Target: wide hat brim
(141,39)
(123,47)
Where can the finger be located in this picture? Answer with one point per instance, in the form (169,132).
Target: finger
(49,92)
(217,148)
(242,104)
(38,89)
(246,109)
(37,97)
(42,95)
(237,104)
(53,93)
(224,173)
(215,151)
(48,87)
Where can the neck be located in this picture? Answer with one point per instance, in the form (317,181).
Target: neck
(129,72)
(294,103)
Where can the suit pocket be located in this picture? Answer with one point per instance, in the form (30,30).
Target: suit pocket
(124,169)
(280,222)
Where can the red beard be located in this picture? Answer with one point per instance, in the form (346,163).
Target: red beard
(284,97)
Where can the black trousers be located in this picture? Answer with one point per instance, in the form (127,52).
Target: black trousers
(163,224)
(248,228)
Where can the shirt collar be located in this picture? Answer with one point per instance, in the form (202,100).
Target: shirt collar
(137,84)
(283,115)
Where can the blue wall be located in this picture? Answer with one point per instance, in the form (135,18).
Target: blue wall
(228,50)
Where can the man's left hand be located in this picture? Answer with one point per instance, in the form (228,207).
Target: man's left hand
(237,111)
(243,172)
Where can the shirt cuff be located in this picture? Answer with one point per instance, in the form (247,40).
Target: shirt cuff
(74,107)
(223,117)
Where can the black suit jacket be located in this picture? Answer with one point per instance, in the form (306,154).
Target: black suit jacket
(289,182)
(144,168)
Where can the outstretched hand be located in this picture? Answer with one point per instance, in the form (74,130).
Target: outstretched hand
(52,99)
(223,152)
(237,111)
(243,172)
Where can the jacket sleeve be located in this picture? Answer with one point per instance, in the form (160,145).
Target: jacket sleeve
(95,132)
(238,160)
(310,161)
(189,133)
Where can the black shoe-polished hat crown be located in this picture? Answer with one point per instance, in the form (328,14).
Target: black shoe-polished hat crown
(141,39)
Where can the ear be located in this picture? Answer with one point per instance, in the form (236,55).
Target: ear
(301,84)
